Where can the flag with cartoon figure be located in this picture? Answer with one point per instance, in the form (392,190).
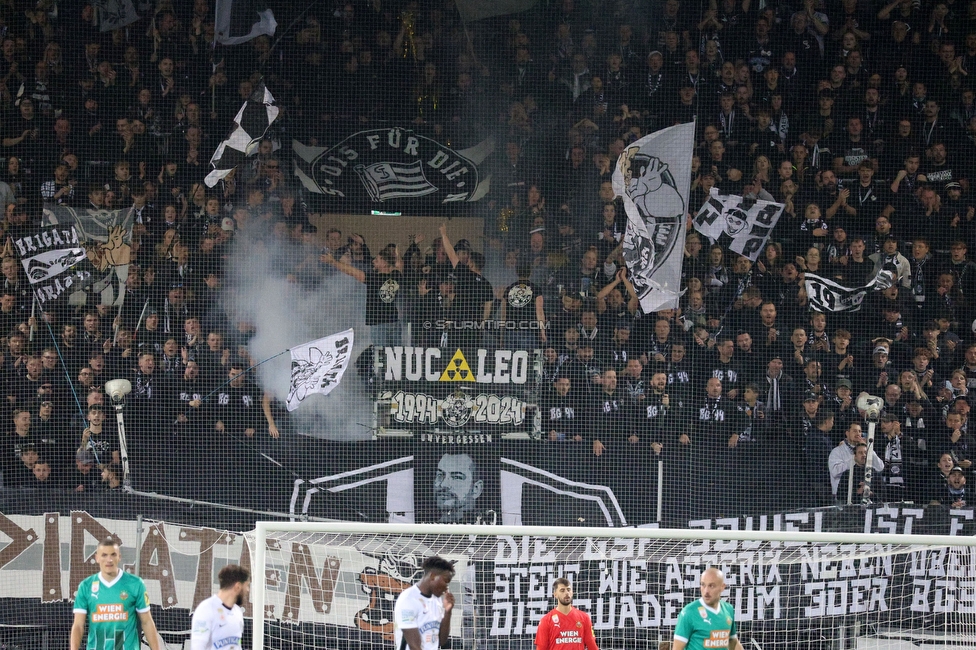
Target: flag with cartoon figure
(105,236)
(318,366)
(744,224)
(653,177)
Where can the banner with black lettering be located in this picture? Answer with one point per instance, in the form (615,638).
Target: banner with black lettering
(318,366)
(744,225)
(825,295)
(653,176)
(54,261)
(392,168)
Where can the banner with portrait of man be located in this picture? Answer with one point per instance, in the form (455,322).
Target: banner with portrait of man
(456,480)
(652,176)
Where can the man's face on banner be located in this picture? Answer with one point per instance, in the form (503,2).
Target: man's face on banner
(455,489)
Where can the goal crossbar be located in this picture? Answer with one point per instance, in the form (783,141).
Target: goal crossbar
(262,529)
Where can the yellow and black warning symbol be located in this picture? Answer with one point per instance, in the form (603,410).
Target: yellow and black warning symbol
(457,369)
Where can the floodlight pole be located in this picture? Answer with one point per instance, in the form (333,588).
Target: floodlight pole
(119,404)
(873,416)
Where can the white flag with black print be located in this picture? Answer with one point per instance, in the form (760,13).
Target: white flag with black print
(653,176)
(238,21)
(251,123)
(317,366)
(747,223)
(114,14)
(825,295)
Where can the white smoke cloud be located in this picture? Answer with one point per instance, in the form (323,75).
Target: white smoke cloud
(284,314)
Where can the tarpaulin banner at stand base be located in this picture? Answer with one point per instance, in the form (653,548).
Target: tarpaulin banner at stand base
(632,589)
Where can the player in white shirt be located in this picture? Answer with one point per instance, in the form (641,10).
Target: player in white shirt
(422,614)
(218,622)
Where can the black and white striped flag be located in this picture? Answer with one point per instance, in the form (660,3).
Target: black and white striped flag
(385,181)
(252,122)
(238,21)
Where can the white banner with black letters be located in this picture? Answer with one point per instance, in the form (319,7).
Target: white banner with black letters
(653,176)
(54,261)
(746,222)
(828,296)
(317,366)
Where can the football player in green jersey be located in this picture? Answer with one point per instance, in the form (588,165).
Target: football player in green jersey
(709,622)
(110,600)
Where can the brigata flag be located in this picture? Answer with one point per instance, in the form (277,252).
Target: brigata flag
(317,366)
(747,223)
(54,261)
(250,125)
(653,175)
(825,295)
(238,21)
(390,167)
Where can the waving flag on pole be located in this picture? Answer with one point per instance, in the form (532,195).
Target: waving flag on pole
(251,123)
(238,21)
(317,366)
(653,176)
(826,295)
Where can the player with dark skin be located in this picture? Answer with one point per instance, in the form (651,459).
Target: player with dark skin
(434,583)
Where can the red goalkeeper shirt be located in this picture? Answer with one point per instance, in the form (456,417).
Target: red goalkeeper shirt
(558,631)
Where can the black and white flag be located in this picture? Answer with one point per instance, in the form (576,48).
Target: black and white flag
(825,295)
(653,176)
(747,222)
(393,166)
(54,261)
(113,14)
(317,366)
(238,21)
(251,123)
(106,237)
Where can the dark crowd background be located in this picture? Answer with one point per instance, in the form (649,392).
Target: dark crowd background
(859,116)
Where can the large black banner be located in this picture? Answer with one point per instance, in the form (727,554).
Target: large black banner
(393,169)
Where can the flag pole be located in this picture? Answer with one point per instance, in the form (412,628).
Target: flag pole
(287,29)
(33,323)
(142,315)
(259,363)
(67,374)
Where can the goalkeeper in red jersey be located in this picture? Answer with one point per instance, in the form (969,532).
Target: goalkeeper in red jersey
(565,627)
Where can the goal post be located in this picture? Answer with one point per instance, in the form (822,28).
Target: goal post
(334,584)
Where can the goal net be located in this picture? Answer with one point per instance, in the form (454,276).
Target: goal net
(335,585)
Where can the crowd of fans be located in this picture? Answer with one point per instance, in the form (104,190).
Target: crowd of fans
(858,116)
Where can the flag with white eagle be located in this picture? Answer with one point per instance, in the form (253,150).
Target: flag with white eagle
(318,366)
